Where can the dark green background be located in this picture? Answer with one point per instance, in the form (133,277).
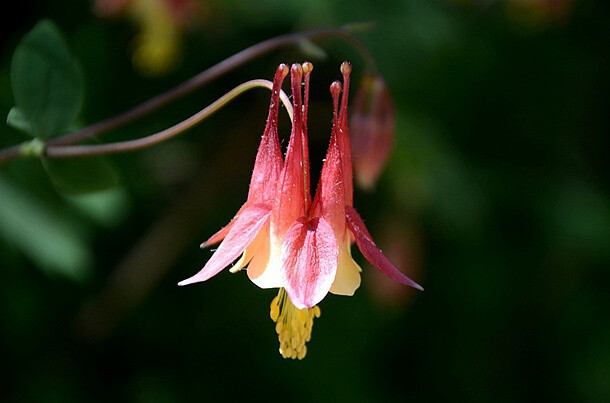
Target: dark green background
(497,197)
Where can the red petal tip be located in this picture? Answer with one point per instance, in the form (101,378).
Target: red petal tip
(243,231)
(186,282)
(372,253)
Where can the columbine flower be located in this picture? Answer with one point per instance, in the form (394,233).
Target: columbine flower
(286,239)
(372,129)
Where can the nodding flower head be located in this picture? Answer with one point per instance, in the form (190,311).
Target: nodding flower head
(286,238)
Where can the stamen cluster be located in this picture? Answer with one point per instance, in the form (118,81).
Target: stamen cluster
(293,325)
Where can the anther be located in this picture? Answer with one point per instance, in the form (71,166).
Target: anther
(335,88)
(293,326)
(307,67)
(283,69)
(297,69)
(346,68)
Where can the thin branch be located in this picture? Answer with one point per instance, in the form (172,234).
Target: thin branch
(10,153)
(209,75)
(196,82)
(131,145)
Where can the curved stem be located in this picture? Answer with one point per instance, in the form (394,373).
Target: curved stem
(10,153)
(131,145)
(209,75)
(196,82)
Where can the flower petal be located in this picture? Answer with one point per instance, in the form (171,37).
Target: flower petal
(268,164)
(372,253)
(269,161)
(343,137)
(347,279)
(247,225)
(307,69)
(222,233)
(309,261)
(329,201)
(291,202)
(264,268)
(257,250)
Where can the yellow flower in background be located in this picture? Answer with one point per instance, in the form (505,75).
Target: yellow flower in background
(160,24)
(158,42)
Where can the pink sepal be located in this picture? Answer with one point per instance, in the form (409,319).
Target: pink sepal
(372,253)
(243,231)
(220,235)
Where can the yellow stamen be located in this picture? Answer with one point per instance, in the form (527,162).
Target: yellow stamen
(293,325)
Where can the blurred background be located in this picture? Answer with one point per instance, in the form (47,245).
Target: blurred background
(496,199)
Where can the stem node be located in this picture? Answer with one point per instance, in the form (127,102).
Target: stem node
(32,148)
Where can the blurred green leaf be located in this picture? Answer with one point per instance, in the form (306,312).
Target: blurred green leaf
(81,175)
(578,214)
(16,119)
(312,50)
(48,240)
(47,80)
(107,207)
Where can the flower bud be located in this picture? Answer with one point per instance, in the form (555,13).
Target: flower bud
(372,129)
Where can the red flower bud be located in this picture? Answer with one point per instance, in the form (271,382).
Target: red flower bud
(372,129)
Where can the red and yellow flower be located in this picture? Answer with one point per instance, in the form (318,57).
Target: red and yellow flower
(288,240)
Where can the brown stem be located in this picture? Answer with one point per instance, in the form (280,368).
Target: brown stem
(10,153)
(196,82)
(155,138)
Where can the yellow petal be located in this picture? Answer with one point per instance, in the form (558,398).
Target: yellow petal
(267,274)
(347,279)
(265,268)
(256,250)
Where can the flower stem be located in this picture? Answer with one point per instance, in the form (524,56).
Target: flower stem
(209,75)
(53,151)
(196,82)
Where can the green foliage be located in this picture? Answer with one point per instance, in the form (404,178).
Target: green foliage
(82,175)
(107,208)
(48,88)
(311,50)
(17,120)
(47,82)
(43,235)
(498,187)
